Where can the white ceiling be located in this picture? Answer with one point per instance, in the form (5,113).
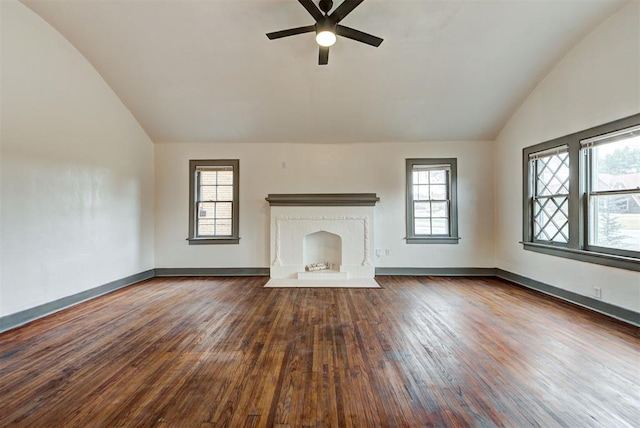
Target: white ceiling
(204,71)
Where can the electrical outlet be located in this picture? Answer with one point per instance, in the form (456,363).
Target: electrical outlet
(387,251)
(597,293)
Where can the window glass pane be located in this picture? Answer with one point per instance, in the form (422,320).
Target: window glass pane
(615,221)
(208,177)
(206,227)
(439,209)
(422,209)
(223,210)
(420,177)
(225,177)
(438,176)
(423,226)
(440,226)
(552,175)
(223,227)
(208,193)
(616,165)
(551,219)
(225,193)
(421,193)
(438,192)
(206,210)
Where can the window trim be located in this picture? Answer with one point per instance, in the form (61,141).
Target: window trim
(235,216)
(452,238)
(577,248)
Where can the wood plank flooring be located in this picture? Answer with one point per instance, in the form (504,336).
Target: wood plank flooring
(422,351)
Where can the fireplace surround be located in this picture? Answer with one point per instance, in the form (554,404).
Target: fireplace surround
(322,228)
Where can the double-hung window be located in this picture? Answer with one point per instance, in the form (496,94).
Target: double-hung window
(432,208)
(612,191)
(550,195)
(582,195)
(213,207)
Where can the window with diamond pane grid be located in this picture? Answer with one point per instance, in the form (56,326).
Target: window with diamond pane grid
(551,198)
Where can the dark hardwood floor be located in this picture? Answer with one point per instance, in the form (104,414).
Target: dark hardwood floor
(423,351)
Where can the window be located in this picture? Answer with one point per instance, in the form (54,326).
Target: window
(612,191)
(550,198)
(582,195)
(432,208)
(213,206)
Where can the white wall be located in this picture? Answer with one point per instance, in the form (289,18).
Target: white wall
(324,168)
(76,171)
(597,82)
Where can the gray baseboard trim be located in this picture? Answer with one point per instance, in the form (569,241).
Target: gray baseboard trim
(604,308)
(11,321)
(435,271)
(608,309)
(212,271)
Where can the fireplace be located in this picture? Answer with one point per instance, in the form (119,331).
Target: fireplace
(322,248)
(336,229)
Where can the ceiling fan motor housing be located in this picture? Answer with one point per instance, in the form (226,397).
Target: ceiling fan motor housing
(325,25)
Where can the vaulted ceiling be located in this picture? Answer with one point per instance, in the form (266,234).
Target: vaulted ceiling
(204,71)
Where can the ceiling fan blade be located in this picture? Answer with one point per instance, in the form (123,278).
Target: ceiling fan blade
(312,9)
(359,36)
(291,32)
(343,10)
(323,58)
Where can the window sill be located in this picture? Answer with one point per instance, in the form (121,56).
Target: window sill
(213,241)
(620,262)
(432,240)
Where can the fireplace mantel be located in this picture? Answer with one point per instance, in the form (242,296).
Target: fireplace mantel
(322,199)
(298,219)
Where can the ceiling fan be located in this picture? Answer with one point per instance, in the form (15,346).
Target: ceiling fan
(327,27)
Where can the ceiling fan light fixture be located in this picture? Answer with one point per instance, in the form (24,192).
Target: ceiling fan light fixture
(327,26)
(326,38)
